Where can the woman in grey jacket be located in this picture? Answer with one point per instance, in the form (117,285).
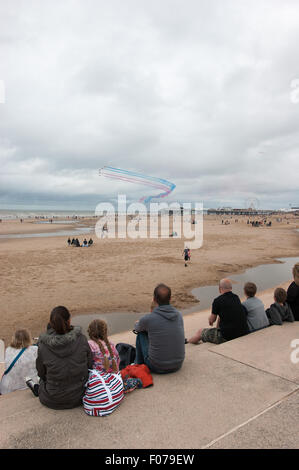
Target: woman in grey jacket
(62,363)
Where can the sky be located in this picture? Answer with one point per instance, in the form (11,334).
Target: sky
(203,93)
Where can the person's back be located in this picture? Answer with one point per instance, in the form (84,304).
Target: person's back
(62,364)
(280,311)
(165,328)
(104,354)
(233,322)
(293,299)
(25,364)
(256,315)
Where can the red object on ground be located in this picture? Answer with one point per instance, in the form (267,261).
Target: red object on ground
(138,371)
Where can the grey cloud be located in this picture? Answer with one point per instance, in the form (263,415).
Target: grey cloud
(197,93)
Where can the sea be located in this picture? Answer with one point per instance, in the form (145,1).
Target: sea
(13,214)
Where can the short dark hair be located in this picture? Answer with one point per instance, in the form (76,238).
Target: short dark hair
(280,295)
(162,294)
(250,289)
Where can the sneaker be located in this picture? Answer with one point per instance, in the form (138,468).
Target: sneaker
(33,387)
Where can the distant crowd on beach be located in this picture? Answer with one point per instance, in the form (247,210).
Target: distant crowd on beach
(253,223)
(65,369)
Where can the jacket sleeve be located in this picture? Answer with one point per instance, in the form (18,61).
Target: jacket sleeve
(40,367)
(245,310)
(89,354)
(142,324)
(290,316)
(89,359)
(292,293)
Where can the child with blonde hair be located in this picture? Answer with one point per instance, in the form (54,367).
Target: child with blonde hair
(20,359)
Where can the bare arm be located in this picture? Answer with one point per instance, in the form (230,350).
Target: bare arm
(212,319)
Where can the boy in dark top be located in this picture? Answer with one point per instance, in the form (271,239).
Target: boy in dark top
(231,321)
(280,311)
(186,254)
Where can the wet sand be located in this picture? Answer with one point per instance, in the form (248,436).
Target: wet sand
(119,275)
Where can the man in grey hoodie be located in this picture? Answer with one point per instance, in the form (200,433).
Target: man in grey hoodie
(160,342)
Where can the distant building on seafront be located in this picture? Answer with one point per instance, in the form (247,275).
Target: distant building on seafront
(248,212)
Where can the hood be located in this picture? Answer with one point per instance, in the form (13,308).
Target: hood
(166,311)
(283,309)
(61,345)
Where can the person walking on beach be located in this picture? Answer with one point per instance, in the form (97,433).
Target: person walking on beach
(187,255)
(230,315)
(62,363)
(293,293)
(160,342)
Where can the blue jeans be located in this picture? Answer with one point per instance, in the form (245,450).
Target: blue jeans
(142,349)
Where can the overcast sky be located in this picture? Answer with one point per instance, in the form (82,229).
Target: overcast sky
(201,93)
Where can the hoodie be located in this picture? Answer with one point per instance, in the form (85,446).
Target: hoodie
(278,313)
(165,329)
(256,316)
(62,364)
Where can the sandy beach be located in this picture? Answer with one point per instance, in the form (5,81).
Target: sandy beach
(117,275)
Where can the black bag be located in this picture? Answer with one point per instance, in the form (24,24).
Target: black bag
(127,354)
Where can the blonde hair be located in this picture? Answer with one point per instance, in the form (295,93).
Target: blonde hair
(296,273)
(21,339)
(97,331)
